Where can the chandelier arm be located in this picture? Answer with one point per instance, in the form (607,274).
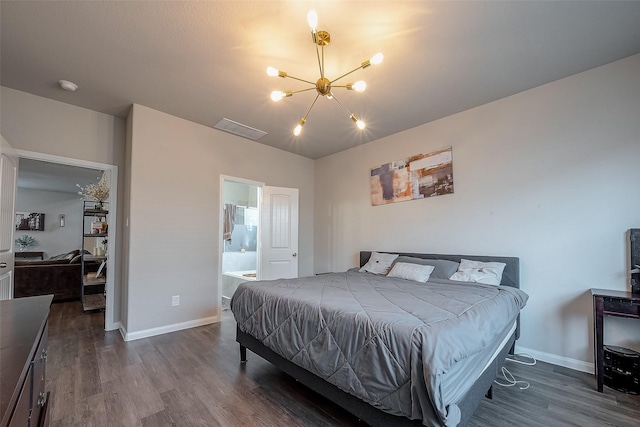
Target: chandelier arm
(301,80)
(344,75)
(309,110)
(302,90)
(320,63)
(352,116)
(322,72)
(343,107)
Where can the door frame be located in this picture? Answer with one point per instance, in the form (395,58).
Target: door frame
(109,321)
(260,186)
(8,153)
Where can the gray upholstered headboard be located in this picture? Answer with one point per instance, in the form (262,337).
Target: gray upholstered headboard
(510,275)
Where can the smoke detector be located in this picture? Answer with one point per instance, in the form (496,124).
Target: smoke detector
(67,85)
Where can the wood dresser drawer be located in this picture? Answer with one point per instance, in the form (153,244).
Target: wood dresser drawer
(621,307)
(20,417)
(39,394)
(24,331)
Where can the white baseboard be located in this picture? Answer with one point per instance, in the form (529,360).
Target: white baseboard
(123,331)
(130,336)
(554,359)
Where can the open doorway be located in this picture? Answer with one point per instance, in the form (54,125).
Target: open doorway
(258,232)
(52,181)
(240,258)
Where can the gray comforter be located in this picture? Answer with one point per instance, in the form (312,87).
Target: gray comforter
(390,342)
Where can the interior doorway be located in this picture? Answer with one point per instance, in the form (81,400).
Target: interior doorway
(68,165)
(258,233)
(240,231)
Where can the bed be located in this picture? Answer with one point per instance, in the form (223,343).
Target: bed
(391,351)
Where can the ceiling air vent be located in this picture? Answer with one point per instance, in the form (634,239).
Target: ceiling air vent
(239,129)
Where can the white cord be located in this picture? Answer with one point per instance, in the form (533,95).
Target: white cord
(523,362)
(511,381)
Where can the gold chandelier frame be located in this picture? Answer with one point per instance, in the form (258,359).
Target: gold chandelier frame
(323,86)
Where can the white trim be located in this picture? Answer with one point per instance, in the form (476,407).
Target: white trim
(168,328)
(577,365)
(109,321)
(123,330)
(62,160)
(117,326)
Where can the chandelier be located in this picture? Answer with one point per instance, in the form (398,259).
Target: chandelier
(323,85)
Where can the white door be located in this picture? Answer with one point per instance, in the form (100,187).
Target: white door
(279,238)
(8,174)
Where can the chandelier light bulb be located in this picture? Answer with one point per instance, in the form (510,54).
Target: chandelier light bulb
(312,19)
(272,72)
(277,95)
(359,86)
(357,121)
(298,129)
(377,58)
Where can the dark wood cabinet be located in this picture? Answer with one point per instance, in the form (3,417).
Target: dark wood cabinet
(23,353)
(608,302)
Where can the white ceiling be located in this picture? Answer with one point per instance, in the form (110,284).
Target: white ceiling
(206,60)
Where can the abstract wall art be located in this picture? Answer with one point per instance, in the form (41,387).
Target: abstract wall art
(416,177)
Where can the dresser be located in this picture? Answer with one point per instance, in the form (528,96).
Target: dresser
(23,361)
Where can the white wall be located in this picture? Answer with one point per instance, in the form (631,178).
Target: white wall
(549,175)
(174,207)
(33,123)
(54,239)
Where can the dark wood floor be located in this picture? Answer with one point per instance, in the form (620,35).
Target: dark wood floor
(194,378)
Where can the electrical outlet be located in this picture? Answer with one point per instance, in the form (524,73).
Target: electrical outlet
(175,300)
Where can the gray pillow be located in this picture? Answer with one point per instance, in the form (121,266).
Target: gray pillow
(443,267)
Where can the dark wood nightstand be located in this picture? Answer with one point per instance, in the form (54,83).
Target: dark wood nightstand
(607,302)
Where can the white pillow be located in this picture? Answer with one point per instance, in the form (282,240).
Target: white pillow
(489,273)
(379,263)
(415,272)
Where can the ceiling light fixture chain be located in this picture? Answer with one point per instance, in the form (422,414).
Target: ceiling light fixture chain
(323,85)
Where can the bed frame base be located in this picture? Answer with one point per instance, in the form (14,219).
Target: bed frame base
(364,411)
